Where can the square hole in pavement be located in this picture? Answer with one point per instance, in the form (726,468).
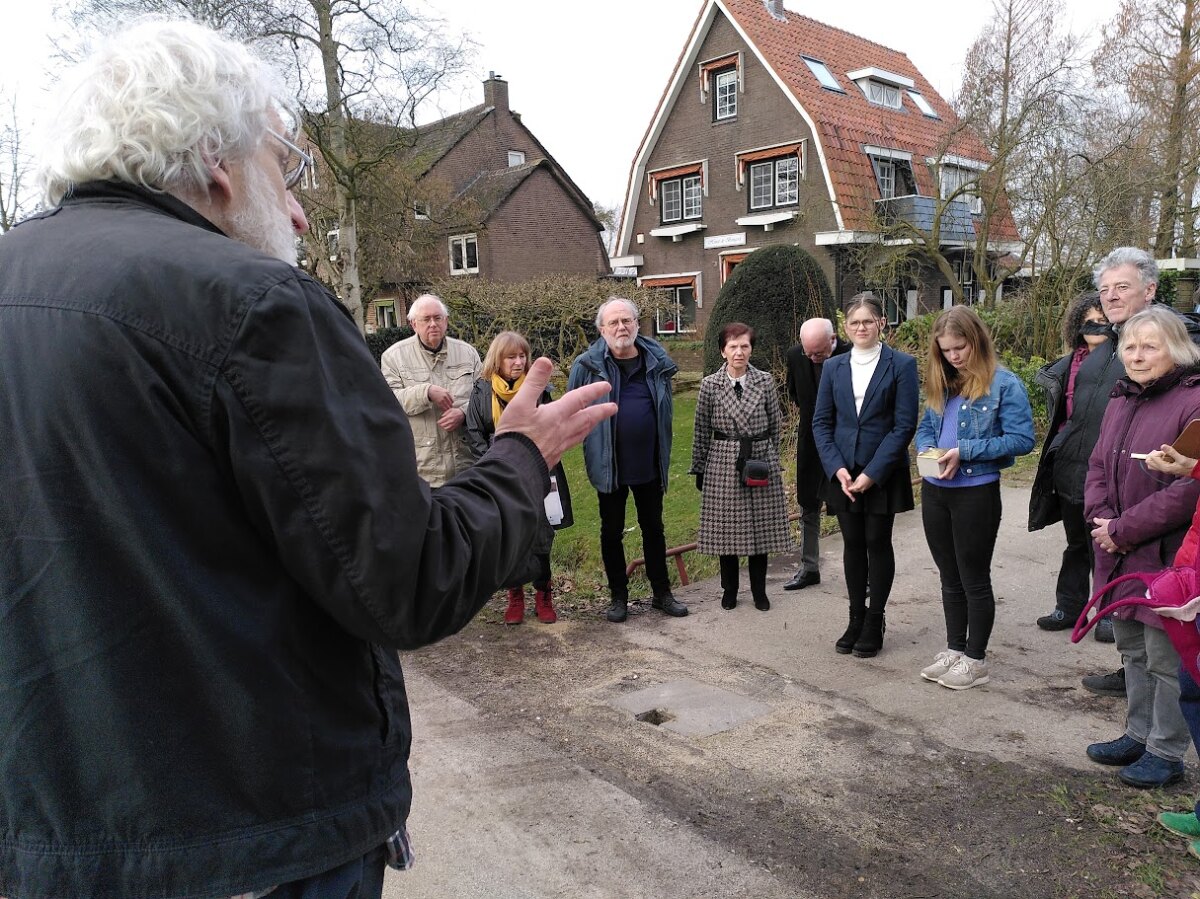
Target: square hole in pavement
(690,708)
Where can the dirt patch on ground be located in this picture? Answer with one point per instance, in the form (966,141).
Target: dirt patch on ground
(833,801)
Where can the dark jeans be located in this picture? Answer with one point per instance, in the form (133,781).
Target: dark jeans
(961,524)
(361,878)
(1189,704)
(867,558)
(648,499)
(541,580)
(1075,574)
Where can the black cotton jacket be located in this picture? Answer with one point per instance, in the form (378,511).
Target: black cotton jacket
(213,539)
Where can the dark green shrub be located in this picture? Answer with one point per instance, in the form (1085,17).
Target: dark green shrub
(773,292)
(378,342)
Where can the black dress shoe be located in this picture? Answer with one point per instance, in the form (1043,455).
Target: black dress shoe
(802,579)
(669,605)
(729,601)
(762,603)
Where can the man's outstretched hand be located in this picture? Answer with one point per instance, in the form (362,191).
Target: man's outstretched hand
(557,426)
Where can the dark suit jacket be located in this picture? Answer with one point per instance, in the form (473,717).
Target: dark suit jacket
(876,440)
(802,383)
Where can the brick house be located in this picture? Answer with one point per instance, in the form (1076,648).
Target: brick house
(778,129)
(518,214)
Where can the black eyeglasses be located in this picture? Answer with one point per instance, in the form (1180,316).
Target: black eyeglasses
(293,172)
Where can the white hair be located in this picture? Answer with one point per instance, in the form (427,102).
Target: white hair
(425,298)
(633,310)
(155,106)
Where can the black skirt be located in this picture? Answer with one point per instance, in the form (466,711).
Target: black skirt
(892,496)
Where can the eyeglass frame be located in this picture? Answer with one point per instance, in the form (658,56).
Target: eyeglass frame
(307,161)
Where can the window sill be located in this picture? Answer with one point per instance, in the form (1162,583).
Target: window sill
(767,220)
(677,232)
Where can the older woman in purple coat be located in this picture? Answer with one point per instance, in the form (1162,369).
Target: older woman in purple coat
(1138,520)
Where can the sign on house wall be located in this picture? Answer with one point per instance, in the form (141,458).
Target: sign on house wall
(725,240)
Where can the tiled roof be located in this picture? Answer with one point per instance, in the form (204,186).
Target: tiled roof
(489,190)
(845,122)
(436,139)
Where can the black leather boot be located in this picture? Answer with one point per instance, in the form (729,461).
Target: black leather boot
(845,643)
(618,609)
(729,581)
(870,641)
(758,582)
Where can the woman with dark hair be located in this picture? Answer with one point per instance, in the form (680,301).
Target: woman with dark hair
(1058,487)
(865,417)
(735,458)
(978,414)
(503,373)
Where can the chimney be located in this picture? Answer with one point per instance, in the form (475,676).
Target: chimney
(775,8)
(495,92)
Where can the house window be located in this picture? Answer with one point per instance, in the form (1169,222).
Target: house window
(775,182)
(385,314)
(420,211)
(515,158)
(681,198)
(464,255)
(959,183)
(965,271)
(882,94)
(885,174)
(308,178)
(725,94)
(922,104)
(822,74)
(894,177)
(894,301)
(680,315)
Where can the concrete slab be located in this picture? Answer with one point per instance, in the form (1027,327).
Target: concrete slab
(690,708)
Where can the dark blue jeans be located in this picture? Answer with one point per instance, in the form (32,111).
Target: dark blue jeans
(961,524)
(361,878)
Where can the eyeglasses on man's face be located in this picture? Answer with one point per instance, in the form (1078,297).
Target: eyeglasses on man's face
(429,320)
(620,322)
(296,162)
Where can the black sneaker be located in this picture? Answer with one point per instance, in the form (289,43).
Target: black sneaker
(1056,621)
(1104,632)
(1106,684)
(669,605)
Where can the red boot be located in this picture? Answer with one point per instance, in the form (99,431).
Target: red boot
(544,607)
(515,613)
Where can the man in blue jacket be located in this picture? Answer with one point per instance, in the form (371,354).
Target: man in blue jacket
(212,532)
(632,452)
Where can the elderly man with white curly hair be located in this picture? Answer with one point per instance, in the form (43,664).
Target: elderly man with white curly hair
(213,538)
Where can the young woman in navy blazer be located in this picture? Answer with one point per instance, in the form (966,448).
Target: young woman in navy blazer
(865,417)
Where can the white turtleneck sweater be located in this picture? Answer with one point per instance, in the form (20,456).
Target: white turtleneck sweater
(862,367)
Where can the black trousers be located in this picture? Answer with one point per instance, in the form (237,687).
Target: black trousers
(648,499)
(961,524)
(1075,575)
(758,575)
(868,557)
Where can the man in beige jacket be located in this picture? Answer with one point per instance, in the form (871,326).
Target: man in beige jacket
(432,376)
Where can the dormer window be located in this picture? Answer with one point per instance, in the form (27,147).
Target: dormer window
(881,87)
(893,172)
(958,179)
(516,158)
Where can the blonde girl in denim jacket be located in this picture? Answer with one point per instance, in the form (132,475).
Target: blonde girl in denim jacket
(978,414)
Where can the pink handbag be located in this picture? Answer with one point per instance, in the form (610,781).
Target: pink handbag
(1173,594)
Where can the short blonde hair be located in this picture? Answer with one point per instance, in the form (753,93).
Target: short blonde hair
(504,344)
(1170,325)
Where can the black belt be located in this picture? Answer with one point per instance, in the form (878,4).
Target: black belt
(720,435)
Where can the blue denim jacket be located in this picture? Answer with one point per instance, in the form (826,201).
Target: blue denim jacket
(992,430)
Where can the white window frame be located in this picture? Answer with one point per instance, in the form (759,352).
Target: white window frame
(764,190)
(682,198)
(781,189)
(386,309)
(823,75)
(922,104)
(882,94)
(885,177)
(463,241)
(673,316)
(789,187)
(956,180)
(516,158)
(725,91)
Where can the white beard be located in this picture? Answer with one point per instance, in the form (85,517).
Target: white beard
(259,222)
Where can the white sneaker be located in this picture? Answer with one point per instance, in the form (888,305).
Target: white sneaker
(966,673)
(942,663)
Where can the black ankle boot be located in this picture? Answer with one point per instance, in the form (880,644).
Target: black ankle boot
(846,641)
(729,581)
(870,641)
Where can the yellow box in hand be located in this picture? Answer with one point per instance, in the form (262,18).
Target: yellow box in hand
(927,462)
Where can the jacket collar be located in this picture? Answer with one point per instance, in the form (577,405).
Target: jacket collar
(119,192)
(1186,375)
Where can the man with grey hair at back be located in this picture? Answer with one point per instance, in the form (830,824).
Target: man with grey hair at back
(213,531)
(632,452)
(432,376)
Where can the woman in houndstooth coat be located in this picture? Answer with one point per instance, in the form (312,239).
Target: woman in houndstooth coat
(738,413)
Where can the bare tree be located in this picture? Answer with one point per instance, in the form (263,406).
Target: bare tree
(14,167)
(361,67)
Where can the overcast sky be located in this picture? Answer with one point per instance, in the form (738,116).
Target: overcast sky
(586,76)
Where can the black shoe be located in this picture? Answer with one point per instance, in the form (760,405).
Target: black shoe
(728,600)
(802,579)
(1104,631)
(669,605)
(1058,620)
(1124,750)
(1106,684)
(1150,772)
(618,611)
(762,603)
(845,643)
(870,641)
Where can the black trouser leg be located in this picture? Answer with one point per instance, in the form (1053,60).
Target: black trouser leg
(541,580)
(648,498)
(854,558)
(729,574)
(1075,575)
(612,550)
(758,576)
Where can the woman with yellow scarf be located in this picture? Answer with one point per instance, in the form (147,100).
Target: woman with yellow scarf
(504,369)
